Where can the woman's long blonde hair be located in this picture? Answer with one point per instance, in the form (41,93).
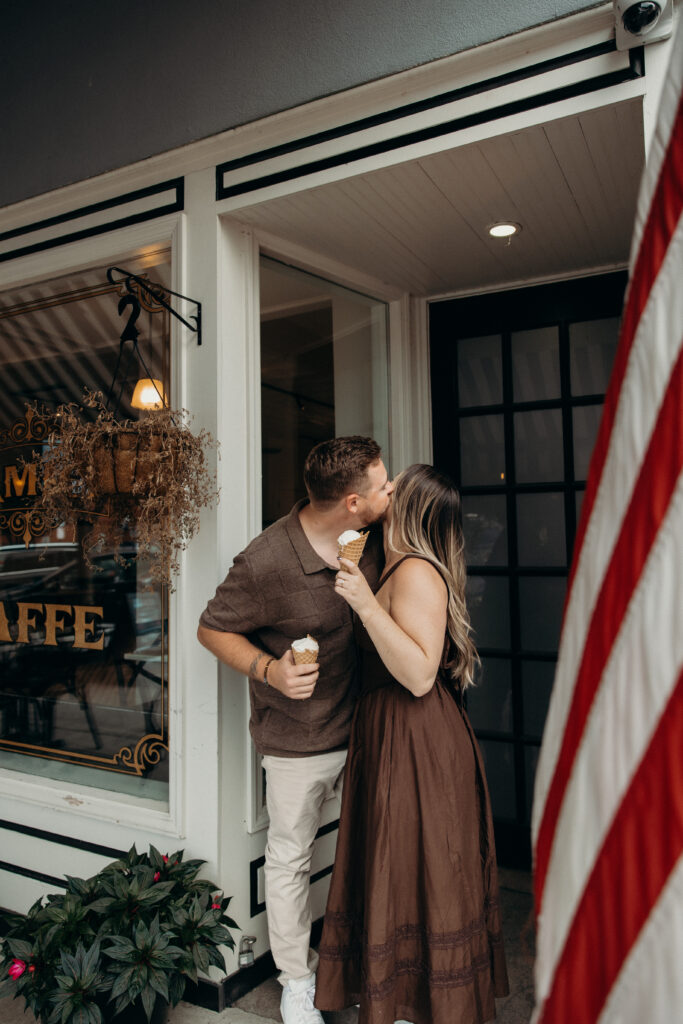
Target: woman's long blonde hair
(425,519)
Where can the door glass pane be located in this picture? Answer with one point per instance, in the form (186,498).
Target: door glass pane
(489,703)
(540,529)
(480,372)
(579,504)
(488,603)
(482,450)
(530,764)
(323,374)
(535,364)
(541,600)
(83,651)
(592,345)
(484,524)
(586,424)
(539,456)
(537,685)
(499,763)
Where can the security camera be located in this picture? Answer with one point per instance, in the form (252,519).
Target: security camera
(642,22)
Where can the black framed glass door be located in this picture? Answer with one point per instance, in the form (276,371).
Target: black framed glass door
(518,383)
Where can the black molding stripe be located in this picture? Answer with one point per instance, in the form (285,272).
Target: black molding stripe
(420,106)
(635,69)
(53,837)
(325,830)
(322,873)
(255,907)
(173,206)
(16,869)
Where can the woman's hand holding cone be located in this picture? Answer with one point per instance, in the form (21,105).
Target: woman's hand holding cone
(351,584)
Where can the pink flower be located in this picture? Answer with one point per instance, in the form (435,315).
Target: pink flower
(16,968)
(215,906)
(157,876)
(32,968)
(164,858)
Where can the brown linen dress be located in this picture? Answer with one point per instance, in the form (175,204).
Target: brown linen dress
(412,928)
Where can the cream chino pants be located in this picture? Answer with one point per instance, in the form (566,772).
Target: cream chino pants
(296,789)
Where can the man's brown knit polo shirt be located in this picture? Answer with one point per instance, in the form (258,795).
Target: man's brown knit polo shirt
(280,589)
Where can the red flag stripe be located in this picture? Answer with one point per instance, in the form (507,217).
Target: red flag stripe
(639,853)
(651,496)
(664,214)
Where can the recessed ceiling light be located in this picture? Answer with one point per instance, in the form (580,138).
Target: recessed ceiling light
(504,229)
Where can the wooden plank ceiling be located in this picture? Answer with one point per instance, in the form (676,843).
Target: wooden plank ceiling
(421,226)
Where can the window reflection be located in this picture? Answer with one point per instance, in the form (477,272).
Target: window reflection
(499,760)
(586,424)
(541,529)
(489,703)
(83,653)
(484,524)
(535,364)
(541,600)
(480,371)
(482,450)
(323,374)
(539,455)
(488,603)
(592,345)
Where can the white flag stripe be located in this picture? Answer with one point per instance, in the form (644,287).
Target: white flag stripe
(668,106)
(650,986)
(649,368)
(636,686)
(608,811)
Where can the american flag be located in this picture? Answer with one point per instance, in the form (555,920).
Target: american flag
(608,803)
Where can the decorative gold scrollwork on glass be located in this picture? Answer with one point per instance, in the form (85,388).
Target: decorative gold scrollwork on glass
(18,481)
(26,525)
(32,428)
(147,753)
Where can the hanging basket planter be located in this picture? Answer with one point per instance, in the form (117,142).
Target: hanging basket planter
(124,462)
(149,477)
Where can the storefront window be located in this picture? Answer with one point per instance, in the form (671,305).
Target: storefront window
(323,374)
(83,651)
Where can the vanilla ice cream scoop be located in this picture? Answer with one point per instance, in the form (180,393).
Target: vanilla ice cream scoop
(305,650)
(346,537)
(351,544)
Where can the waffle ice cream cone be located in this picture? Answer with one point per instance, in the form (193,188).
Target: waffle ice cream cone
(305,651)
(352,547)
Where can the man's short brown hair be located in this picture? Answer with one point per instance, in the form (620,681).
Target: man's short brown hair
(339,467)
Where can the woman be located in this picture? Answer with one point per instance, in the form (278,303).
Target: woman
(412,928)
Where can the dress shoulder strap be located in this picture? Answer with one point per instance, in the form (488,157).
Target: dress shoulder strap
(394,567)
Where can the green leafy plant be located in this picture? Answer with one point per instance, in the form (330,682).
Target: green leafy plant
(127,937)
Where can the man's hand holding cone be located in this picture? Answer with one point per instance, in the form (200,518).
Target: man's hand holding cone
(295,674)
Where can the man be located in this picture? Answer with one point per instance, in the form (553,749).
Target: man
(280,588)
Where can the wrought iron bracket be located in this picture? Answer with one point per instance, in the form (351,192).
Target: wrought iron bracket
(156,292)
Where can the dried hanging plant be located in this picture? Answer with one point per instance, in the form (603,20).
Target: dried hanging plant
(144,479)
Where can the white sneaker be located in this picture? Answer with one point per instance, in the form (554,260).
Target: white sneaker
(296,1005)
